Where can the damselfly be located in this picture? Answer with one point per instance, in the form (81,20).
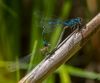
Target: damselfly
(49,24)
(73,24)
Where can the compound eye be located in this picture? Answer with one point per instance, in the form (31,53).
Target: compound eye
(81,19)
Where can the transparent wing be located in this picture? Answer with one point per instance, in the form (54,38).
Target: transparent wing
(21,64)
(48,24)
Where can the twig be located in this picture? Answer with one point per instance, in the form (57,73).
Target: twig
(66,51)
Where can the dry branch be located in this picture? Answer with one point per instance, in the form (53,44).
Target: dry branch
(66,51)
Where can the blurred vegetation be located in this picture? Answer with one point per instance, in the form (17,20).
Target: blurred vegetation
(20,34)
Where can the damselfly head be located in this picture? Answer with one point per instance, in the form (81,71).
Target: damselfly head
(46,47)
(79,19)
(45,43)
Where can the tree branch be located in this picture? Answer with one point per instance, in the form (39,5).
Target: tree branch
(73,44)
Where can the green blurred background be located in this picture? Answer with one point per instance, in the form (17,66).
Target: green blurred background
(20,34)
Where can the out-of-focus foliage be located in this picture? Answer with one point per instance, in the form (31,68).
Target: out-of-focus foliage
(21,34)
